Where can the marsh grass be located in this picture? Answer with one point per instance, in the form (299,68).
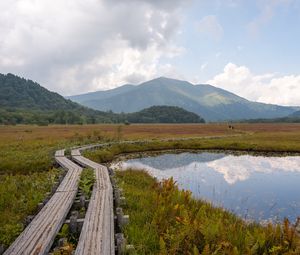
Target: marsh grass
(86,182)
(19,196)
(27,149)
(26,169)
(166,220)
(255,143)
(26,154)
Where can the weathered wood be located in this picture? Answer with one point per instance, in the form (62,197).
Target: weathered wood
(97,234)
(73,226)
(121,218)
(121,243)
(60,153)
(38,236)
(2,248)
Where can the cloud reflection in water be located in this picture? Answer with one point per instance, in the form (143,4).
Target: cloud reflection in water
(253,187)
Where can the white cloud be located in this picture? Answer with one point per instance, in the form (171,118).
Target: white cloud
(75,45)
(210,26)
(240,168)
(233,168)
(266,88)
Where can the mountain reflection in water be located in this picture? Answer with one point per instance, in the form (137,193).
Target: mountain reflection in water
(254,187)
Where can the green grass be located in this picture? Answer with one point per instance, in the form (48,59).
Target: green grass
(87,180)
(26,169)
(253,143)
(19,196)
(166,220)
(27,149)
(26,154)
(31,151)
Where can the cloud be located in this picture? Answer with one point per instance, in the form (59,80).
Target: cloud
(240,168)
(75,45)
(233,168)
(210,26)
(266,88)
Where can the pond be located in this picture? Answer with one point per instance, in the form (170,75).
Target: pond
(253,187)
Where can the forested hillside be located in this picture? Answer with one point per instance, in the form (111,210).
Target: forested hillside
(26,102)
(164,114)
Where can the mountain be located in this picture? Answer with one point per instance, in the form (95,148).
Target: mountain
(163,114)
(295,114)
(84,99)
(291,118)
(213,104)
(27,94)
(25,101)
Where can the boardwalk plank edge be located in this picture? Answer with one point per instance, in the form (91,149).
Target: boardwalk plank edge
(38,237)
(97,235)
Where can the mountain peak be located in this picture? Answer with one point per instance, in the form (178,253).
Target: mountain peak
(165,81)
(213,104)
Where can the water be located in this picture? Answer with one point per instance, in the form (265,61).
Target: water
(254,187)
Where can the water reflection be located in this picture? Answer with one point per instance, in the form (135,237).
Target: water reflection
(259,188)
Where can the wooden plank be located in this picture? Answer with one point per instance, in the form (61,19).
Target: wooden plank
(38,236)
(97,234)
(60,153)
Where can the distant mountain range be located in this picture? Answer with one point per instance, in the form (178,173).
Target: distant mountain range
(295,114)
(292,118)
(24,101)
(213,104)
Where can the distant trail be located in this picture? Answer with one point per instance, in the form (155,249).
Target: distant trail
(38,236)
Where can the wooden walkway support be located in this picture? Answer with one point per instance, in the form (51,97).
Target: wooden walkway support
(97,234)
(38,236)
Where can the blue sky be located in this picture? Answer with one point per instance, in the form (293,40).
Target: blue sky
(265,46)
(249,47)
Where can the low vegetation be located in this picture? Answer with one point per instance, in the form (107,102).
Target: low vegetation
(65,242)
(28,149)
(86,182)
(255,143)
(166,220)
(26,154)
(19,196)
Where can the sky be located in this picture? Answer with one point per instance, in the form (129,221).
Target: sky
(249,47)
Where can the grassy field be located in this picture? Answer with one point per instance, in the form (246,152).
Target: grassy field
(19,196)
(30,148)
(262,138)
(26,153)
(166,220)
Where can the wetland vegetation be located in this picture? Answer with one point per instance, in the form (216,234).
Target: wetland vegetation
(26,154)
(166,220)
(19,197)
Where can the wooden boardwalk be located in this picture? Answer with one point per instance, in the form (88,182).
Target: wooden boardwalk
(97,234)
(38,236)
